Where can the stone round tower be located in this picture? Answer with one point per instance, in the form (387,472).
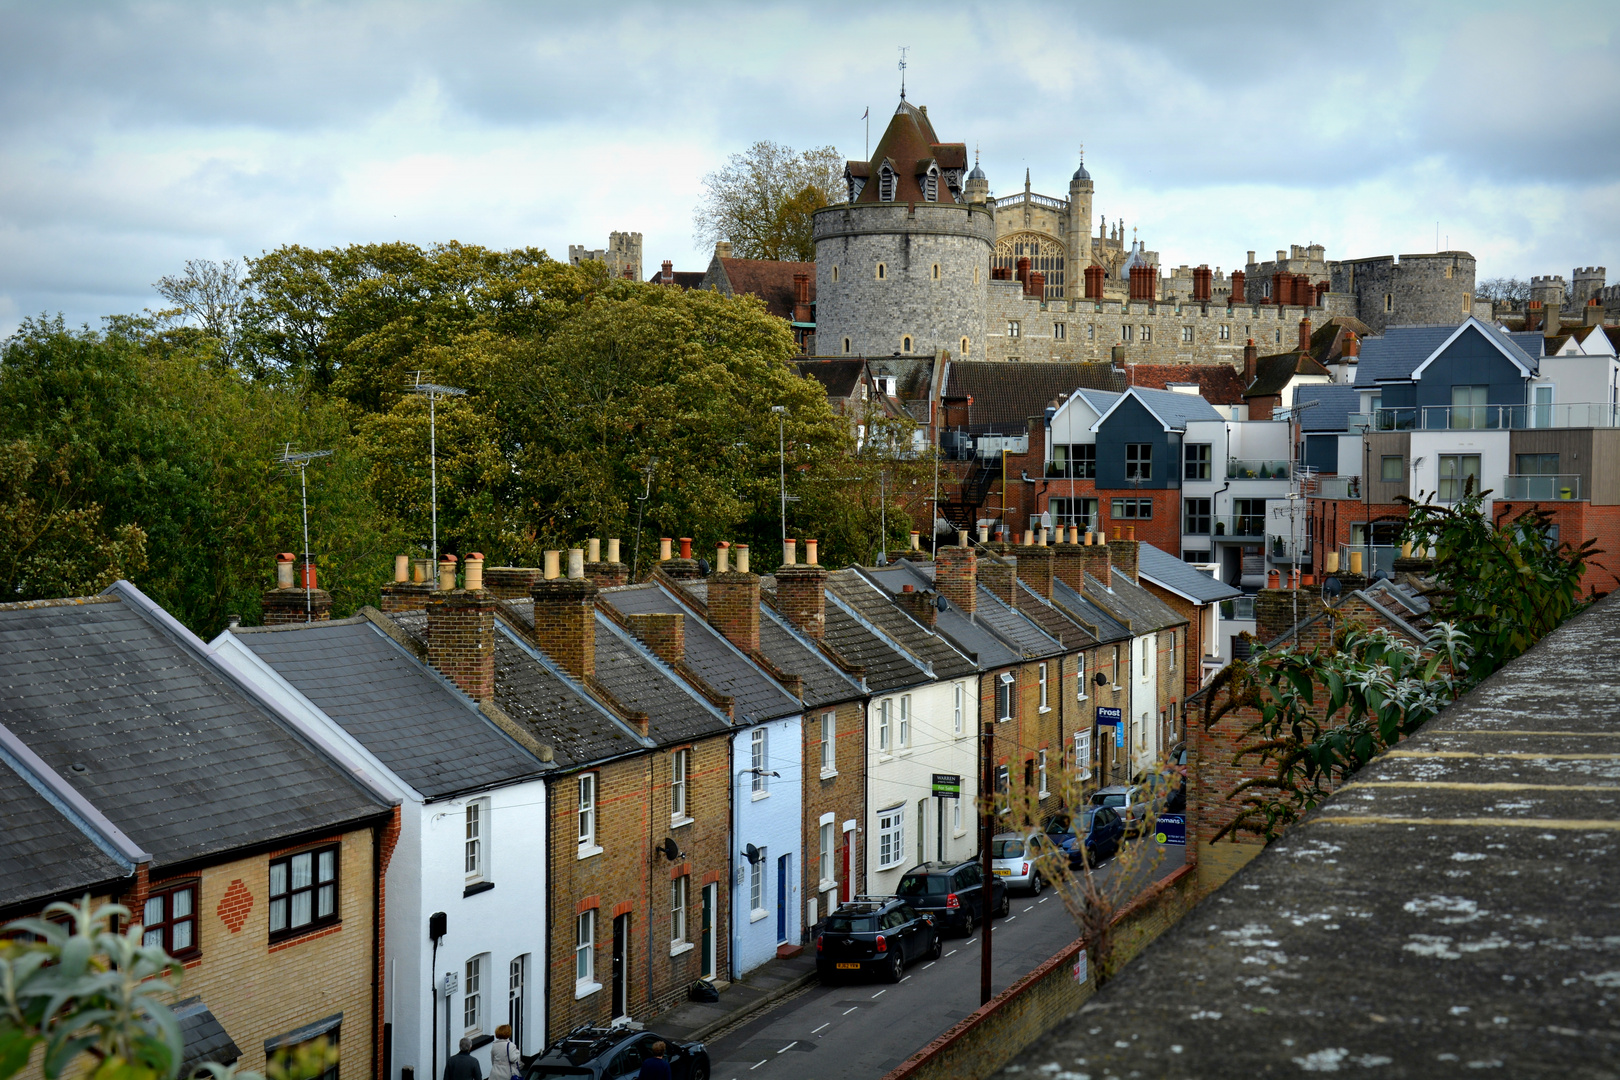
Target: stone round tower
(903,266)
(1078,240)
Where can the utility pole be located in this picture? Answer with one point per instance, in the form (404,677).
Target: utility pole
(781,463)
(987,829)
(300,461)
(434,391)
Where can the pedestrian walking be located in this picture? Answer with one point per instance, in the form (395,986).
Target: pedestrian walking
(505,1059)
(654,1067)
(463,1066)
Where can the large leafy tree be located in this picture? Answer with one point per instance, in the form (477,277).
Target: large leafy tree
(764,198)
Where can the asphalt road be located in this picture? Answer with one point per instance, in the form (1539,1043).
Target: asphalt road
(862,1030)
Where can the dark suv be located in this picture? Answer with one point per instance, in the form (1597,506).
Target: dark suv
(952,892)
(877,934)
(594,1053)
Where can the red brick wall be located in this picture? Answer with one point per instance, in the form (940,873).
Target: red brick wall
(461,640)
(842,795)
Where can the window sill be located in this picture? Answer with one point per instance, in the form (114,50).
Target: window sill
(680,948)
(758,795)
(1044,709)
(585,989)
(1082,697)
(903,753)
(892,866)
(828,774)
(757,914)
(477,887)
(586,852)
(480,1040)
(1003,719)
(677,821)
(884,755)
(824,885)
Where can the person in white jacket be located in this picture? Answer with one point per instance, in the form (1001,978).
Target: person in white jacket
(505,1060)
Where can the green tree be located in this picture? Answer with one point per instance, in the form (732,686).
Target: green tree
(763,200)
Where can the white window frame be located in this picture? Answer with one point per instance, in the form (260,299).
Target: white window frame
(1013,328)
(756,888)
(905,722)
(585,953)
(475,840)
(956,817)
(759,761)
(680,770)
(1172,652)
(1080,681)
(891,838)
(1045,707)
(1186,333)
(679,898)
(825,868)
(1040,771)
(885,712)
(588,794)
(517,978)
(959,696)
(829,744)
(1082,755)
(474,1000)
(1007,682)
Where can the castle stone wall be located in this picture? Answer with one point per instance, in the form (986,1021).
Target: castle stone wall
(1414,290)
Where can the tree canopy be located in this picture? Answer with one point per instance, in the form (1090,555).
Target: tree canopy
(764,199)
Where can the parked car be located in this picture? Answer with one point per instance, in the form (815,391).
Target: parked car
(952,892)
(1014,859)
(595,1053)
(1102,830)
(1131,801)
(874,936)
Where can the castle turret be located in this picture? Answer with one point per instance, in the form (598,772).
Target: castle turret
(1078,239)
(978,185)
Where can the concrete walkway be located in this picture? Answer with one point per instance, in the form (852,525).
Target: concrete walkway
(759,989)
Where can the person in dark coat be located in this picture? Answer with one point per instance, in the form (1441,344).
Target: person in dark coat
(655,1067)
(464,1066)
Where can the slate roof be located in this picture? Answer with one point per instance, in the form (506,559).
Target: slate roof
(1336,402)
(1169,572)
(718,662)
(1057,624)
(1402,348)
(532,692)
(1531,343)
(416,723)
(1109,629)
(1146,611)
(1420,919)
(180,756)
(769,279)
(203,1037)
(908,140)
(994,633)
(1177,409)
(640,681)
(868,602)
(1272,373)
(684,279)
(840,378)
(1006,395)
(45,853)
(887,667)
(1218,384)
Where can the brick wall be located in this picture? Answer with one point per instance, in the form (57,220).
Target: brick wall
(843,795)
(955,575)
(461,640)
(565,623)
(801,597)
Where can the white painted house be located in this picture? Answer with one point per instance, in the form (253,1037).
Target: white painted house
(471,835)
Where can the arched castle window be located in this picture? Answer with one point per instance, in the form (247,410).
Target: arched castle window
(835,275)
(964,346)
(935,272)
(846,346)
(885,183)
(905,343)
(931,187)
(882,272)
(1045,255)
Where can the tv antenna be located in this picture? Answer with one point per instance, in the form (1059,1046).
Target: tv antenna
(434,392)
(903,50)
(300,460)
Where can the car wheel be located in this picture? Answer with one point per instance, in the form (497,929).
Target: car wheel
(1035,885)
(700,1071)
(1006,906)
(939,948)
(967,924)
(897,969)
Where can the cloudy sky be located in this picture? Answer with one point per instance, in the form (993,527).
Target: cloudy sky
(134,136)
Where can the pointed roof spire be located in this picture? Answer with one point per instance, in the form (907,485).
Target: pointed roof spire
(1026,179)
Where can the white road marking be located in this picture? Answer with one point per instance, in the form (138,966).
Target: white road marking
(751,1068)
(827,1024)
(879,994)
(848,1011)
(788,1047)
(1032,907)
(1043,899)
(926,966)
(1010,918)
(951,953)
(906,979)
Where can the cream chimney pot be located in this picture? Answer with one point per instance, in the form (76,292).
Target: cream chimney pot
(576,563)
(790,552)
(613,550)
(473,579)
(810,552)
(284,570)
(984,534)
(663,549)
(594,547)
(447,573)
(722,557)
(552,559)
(402,568)
(742,558)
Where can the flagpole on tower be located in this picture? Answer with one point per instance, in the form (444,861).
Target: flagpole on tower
(903,50)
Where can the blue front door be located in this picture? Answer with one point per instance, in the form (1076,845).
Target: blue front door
(781,897)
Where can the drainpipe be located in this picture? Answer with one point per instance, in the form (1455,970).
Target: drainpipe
(731,879)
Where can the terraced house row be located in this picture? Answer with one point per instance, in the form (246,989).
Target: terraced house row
(553,796)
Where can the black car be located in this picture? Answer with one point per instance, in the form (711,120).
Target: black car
(1102,827)
(878,935)
(594,1053)
(952,892)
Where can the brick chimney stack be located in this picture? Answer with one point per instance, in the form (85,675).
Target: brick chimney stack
(801,297)
(410,588)
(919,605)
(1036,285)
(662,632)
(293,601)
(684,567)
(1035,567)
(1305,333)
(1274,611)
(1592,313)
(609,572)
(801,591)
(734,600)
(1095,276)
(1068,564)
(1251,360)
(1023,273)
(956,576)
(1239,293)
(1123,554)
(565,620)
(1352,345)
(1203,283)
(667,276)
(1094,562)
(1000,576)
(461,633)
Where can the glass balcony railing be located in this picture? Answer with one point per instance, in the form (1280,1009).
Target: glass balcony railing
(1488,417)
(1240,525)
(1545,487)
(1372,557)
(1256,469)
(1239,607)
(1338,487)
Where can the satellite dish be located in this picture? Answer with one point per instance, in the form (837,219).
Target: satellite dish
(703,567)
(941,604)
(1101,679)
(752,854)
(670,849)
(1332,588)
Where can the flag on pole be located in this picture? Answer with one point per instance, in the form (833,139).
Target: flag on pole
(867,114)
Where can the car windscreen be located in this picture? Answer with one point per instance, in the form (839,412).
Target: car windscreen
(1007,849)
(851,924)
(923,885)
(1111,799)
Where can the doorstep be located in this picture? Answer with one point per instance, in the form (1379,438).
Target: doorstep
(758,990)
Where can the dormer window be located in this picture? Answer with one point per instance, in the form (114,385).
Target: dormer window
(856,184)
(931,184)
(886,180)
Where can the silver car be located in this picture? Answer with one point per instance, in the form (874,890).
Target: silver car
(1130,800)
(1013,859)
